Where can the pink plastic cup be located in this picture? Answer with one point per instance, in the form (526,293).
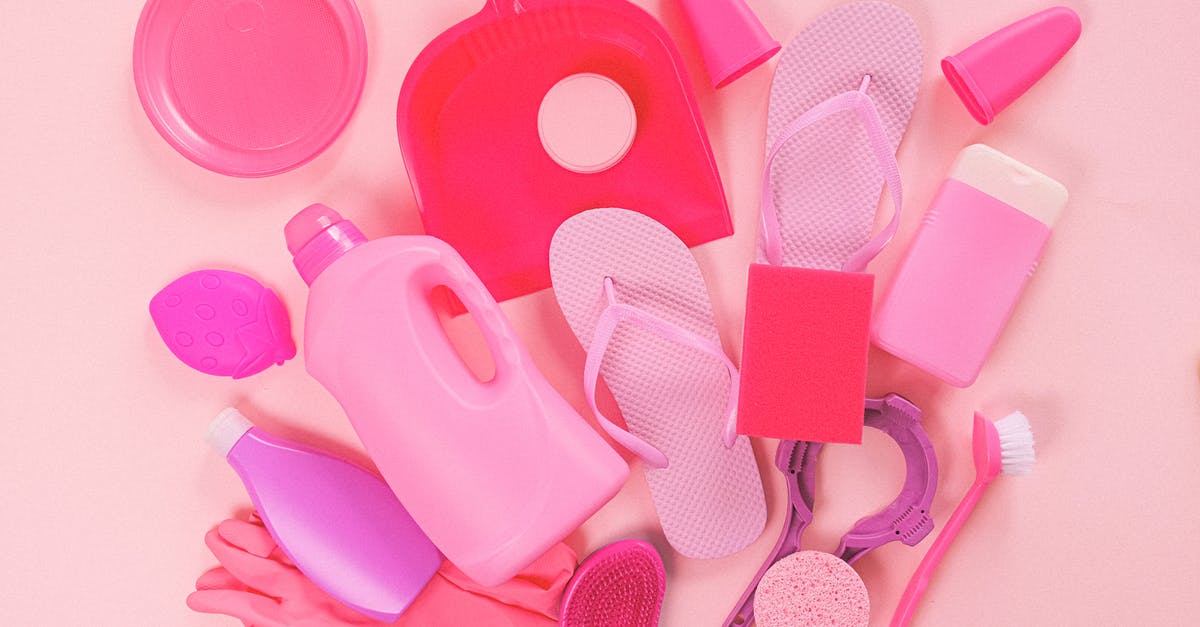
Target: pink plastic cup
(732,39)
(997,69)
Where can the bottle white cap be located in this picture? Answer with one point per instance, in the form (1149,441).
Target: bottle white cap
(1011,182)
(225,431)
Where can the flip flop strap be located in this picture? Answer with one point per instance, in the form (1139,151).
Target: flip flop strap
(610,319)
(861,104)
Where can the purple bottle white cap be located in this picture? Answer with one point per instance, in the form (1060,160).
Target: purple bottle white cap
(226,429)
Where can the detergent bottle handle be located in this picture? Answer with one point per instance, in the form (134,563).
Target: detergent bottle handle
(507,7)
(506,349)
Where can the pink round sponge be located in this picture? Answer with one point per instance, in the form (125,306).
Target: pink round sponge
(811,588)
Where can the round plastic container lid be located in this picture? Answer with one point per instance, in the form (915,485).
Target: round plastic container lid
(587,123)
(250,87)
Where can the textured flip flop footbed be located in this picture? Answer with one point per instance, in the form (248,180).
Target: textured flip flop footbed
(710,498)
(804,355)
(825,182)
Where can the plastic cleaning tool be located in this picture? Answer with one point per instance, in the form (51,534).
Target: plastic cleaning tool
(340,525)
(906,519)
(811,589)
(997,69)
(840,103)
(258,585)
(587,123)
(968,265)
(633,294)
(1004,447)
(223,323)
(732,39)
(495,472)
(491,97)
(621,585)
(250,87)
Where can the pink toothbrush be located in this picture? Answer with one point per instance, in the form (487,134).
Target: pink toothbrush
(1006,446)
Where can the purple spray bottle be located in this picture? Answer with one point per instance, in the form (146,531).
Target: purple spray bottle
(340,524)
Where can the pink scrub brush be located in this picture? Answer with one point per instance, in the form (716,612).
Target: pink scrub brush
(1006,446)
(620,585)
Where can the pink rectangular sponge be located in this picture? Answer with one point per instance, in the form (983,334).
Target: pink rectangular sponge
(804,360)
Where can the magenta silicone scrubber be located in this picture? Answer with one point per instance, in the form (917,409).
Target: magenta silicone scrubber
(223,323)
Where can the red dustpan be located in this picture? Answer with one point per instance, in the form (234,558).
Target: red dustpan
(468,126)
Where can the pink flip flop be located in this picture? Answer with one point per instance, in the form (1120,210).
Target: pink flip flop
(840,102)
(634,297)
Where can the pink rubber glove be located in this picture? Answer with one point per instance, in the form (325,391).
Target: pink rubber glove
(530,599)
(258,585)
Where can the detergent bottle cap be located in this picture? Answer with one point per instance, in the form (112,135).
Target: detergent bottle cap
(318,236)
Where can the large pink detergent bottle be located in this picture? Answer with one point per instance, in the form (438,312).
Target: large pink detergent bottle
(494,472)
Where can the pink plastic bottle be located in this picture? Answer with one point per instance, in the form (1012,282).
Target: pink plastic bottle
(494,472)
(968,265)
(338,523)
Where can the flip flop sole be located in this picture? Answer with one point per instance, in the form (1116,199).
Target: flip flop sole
(825,182)
(710,498)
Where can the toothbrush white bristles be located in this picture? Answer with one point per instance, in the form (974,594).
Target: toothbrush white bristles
(1016,444)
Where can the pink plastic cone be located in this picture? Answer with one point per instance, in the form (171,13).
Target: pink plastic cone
(997,69)
(732,39)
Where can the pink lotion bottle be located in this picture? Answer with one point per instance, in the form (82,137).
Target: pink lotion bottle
(494,472)
(977,248)
(338,523)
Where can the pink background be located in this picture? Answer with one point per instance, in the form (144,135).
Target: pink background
(109,488)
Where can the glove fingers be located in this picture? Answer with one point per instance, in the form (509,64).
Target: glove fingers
(219,579)
(538,588)
(252,538)
(259,573)
(252,609)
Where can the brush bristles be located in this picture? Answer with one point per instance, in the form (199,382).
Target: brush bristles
(1016,444)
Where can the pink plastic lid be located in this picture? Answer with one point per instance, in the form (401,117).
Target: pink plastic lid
(587,123)
(250,88)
